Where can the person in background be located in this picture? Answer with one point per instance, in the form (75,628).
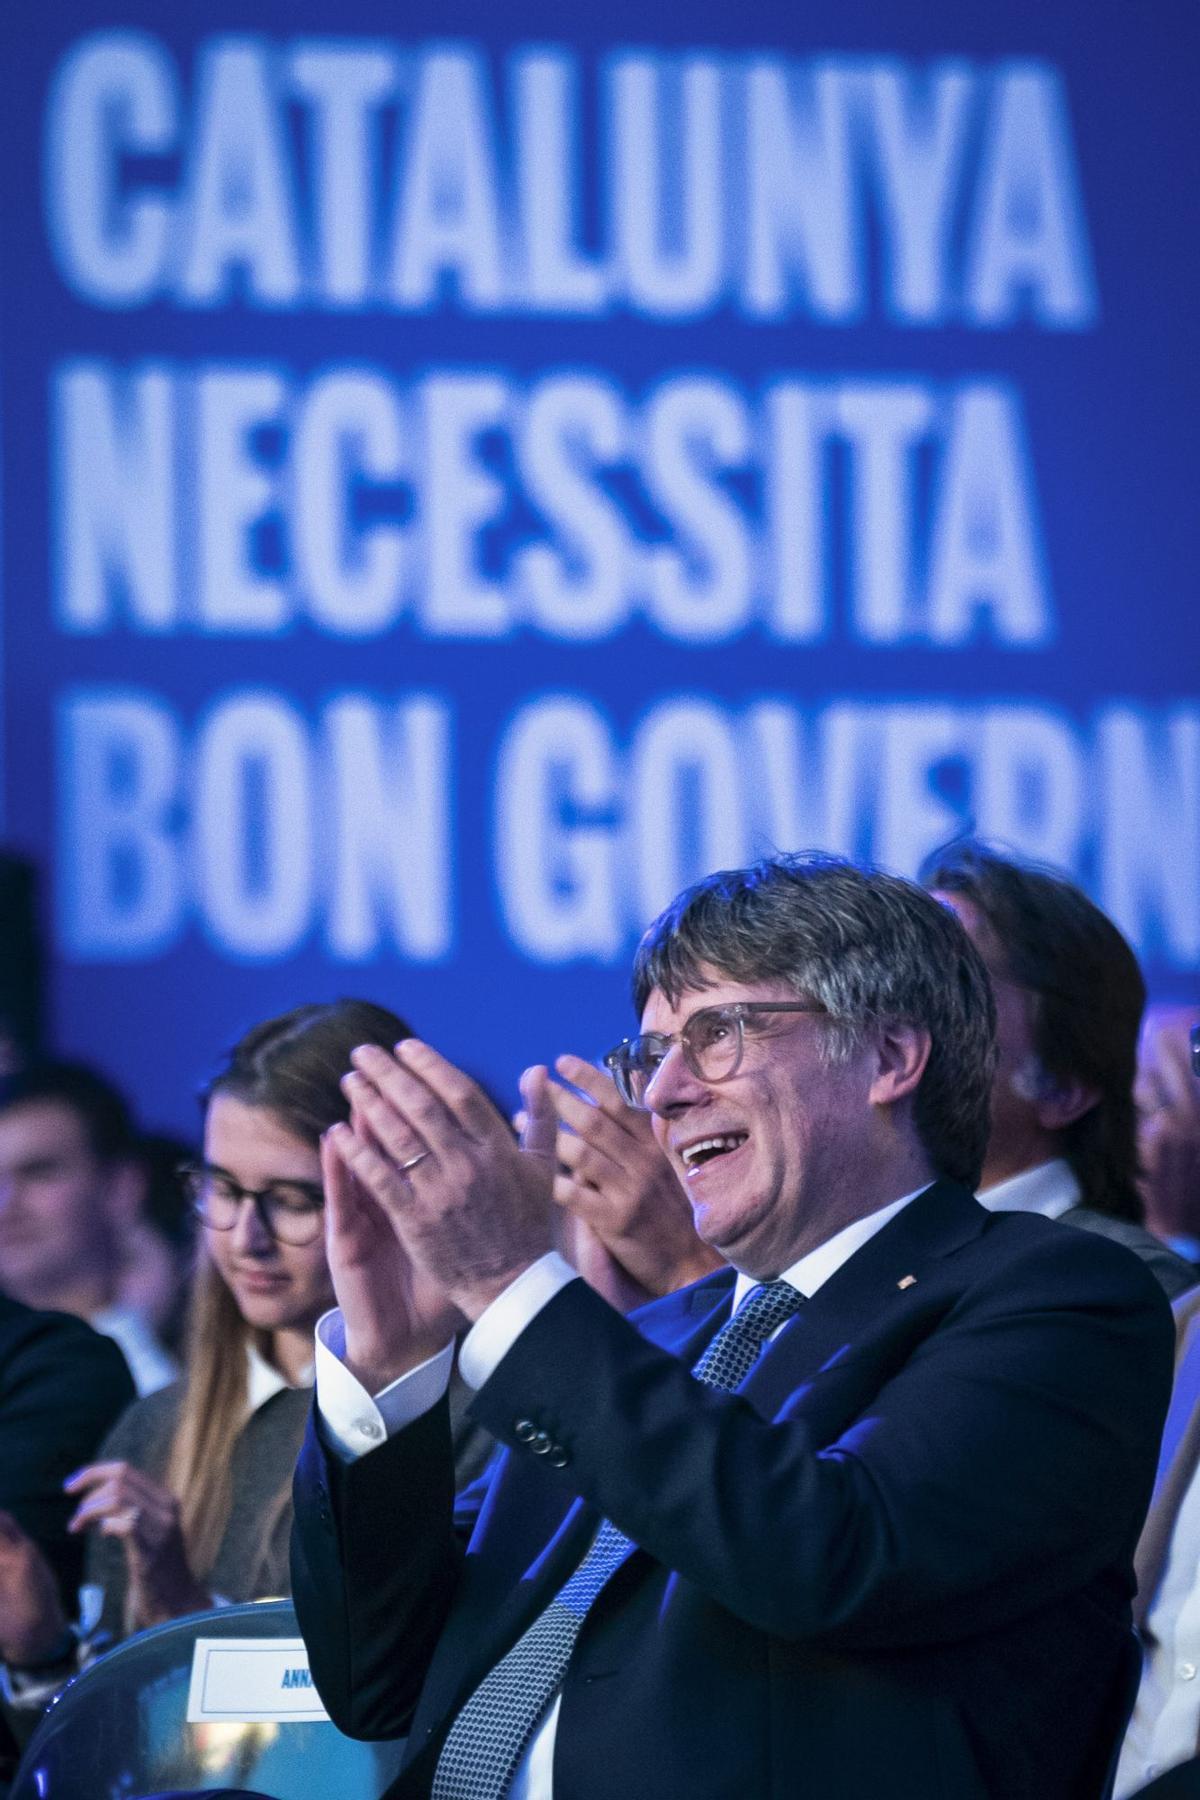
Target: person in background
(159,1249)
(1069,1000)
(1163,1740)
(62,1386)
(189,1502)
(1165,1728)
(72,1189)
(1168,1098)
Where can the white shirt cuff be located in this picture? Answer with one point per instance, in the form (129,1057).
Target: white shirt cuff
(356,1421)
(496,1331)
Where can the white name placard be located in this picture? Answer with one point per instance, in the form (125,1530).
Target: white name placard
(247,1680)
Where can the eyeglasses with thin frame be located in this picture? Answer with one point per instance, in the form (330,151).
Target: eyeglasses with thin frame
(712,1041)
(291,1212)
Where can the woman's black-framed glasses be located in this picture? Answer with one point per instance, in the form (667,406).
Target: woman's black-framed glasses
(713,1042)
(292,1212)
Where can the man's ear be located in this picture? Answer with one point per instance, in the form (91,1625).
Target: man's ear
(901,1053)
(1059,1102)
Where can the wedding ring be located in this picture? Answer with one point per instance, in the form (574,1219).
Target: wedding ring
(414,1160)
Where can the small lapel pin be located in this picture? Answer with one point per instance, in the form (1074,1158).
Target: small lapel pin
(907,1281)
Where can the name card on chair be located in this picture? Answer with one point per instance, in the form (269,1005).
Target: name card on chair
(249,1680)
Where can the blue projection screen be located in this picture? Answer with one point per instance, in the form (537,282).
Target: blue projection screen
(467,471)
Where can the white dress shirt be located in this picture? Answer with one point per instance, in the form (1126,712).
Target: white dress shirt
(1165,1727)
(264,1380)
(1050,1189)
(356,1423)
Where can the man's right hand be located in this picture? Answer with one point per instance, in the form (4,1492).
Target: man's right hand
(394,1316)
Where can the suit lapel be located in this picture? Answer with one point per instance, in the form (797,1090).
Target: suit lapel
(695,1318)
(862,1292)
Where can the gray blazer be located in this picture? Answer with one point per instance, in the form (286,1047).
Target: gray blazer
(1173,1273)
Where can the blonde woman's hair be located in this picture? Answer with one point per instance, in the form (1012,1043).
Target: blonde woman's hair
(291,1067)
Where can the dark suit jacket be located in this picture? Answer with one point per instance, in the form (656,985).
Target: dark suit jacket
(896,1563)
(62,1386)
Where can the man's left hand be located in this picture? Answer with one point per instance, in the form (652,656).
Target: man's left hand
(616,1182)
(473,1209)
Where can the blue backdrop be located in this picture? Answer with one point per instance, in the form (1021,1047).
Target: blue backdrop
(466,472)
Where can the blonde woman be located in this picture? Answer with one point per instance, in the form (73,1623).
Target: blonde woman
(190,1500)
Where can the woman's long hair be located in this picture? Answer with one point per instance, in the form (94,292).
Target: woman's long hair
(292,1067)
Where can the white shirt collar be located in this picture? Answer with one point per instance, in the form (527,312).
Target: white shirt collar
(265,1380)
(1050,1189)
(149,1364)
(813,1270)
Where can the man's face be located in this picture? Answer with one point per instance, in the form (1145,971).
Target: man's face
(53,1199)
(1017,1139)
(768,1157)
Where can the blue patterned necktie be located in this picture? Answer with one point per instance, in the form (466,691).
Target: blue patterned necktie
(490,1734)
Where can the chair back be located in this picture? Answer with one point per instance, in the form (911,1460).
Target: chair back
(122,1727)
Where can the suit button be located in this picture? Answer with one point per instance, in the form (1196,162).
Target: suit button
(540,1443)
(524,1429)
(558,1457)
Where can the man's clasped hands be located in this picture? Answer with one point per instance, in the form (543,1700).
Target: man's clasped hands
(433,1207)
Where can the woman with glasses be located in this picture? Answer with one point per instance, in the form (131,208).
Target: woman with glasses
(190,1500)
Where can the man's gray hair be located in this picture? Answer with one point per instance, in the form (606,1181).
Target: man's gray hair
(872,948)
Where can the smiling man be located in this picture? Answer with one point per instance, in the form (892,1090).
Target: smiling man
(854,1516)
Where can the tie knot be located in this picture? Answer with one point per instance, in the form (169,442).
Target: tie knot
(734,1351)
(766,1307)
